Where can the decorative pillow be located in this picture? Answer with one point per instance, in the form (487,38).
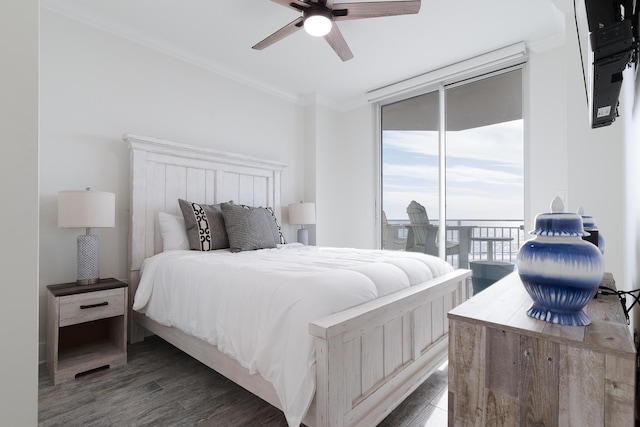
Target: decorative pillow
(205,226)
(248,228)
(275,225)
(173,232)
(279,237)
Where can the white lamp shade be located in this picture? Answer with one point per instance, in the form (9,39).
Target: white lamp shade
(86,209)
(302,213)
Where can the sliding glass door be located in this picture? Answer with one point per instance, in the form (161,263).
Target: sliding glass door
(410,153)
(459,148)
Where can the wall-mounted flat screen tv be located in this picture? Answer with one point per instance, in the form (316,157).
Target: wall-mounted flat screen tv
(608,39)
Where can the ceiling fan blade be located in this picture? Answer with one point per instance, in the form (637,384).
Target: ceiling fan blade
(293,4)
(328,3)
(338,43)
(374,9)
(283,32)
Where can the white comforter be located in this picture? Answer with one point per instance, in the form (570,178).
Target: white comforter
(256,306)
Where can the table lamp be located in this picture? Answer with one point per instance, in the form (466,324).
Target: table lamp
(87,209)
(302,213)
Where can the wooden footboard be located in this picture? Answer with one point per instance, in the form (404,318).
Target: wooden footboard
(371,357)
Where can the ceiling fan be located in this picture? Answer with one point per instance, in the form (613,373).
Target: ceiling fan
(319,16)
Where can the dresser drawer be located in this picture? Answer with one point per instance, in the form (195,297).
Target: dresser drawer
(85,307)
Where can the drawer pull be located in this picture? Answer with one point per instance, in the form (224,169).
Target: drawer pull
(100,304)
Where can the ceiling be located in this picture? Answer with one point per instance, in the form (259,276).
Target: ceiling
(218,34)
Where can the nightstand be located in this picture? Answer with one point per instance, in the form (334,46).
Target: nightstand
(86,327)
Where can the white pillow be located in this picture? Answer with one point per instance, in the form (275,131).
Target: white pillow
(173,232)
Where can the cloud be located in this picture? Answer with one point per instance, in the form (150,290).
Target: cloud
(484,172)
(500,143)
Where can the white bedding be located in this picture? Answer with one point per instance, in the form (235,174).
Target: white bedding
(256,306)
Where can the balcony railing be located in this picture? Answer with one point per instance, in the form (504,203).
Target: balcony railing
(506,250)
(501,250)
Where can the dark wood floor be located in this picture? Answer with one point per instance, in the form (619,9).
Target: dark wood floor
(162,386)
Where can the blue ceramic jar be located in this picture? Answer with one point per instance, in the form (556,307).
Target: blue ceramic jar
(589,225)
(560,271)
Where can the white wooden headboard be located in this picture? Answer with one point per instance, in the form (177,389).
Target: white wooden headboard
(164,171)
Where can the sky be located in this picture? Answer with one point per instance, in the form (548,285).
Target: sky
(485,177)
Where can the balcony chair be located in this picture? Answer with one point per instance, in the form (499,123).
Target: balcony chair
(423,236)
(390,239)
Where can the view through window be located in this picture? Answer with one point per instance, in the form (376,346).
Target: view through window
(482,154)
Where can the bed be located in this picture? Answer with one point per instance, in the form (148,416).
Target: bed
(368,358)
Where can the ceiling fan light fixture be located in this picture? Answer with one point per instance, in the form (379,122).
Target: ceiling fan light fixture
(318,23)
(318,18)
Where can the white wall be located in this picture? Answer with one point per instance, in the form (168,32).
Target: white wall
(596,164)
(19,190)
(96,86)
(341,148)
(330,190)
(358,150)
(546,131)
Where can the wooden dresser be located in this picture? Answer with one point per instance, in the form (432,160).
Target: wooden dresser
(508,369)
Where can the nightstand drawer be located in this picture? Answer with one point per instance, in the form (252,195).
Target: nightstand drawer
(85,307)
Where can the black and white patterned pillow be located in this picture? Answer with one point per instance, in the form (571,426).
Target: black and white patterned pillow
(248,228)
(205,226)
(280,237)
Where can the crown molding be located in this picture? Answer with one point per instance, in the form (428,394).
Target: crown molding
(354,103)
(548,43)
(317,99)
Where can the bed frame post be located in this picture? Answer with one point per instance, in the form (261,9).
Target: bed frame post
(137,231)
(136,332)
(329,382)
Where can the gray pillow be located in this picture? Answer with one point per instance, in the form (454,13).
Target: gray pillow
(205,226)
(248,228)
(273,223)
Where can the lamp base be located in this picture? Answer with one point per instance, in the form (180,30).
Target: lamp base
(88,259)
(87,281)
(303,236)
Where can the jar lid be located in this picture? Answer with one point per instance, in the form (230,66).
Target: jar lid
(558,222)
(588,223)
